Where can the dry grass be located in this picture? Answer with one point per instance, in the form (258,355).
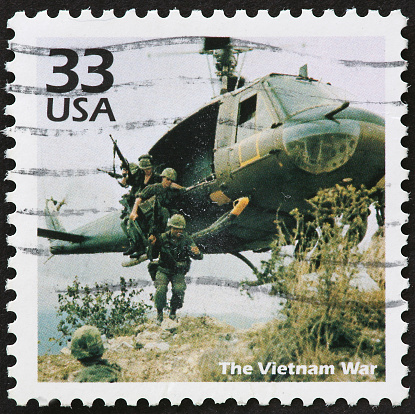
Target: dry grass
(326,320)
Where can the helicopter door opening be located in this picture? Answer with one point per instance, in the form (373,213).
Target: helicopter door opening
(188,146)
(254,116)
(246,118)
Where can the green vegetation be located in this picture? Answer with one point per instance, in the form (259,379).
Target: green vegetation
(113,313)
(188,341)
(326,318)
(327,315)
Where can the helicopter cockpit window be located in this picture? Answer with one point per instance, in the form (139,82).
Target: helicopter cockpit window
(246,116)
(247,110)
(253,116)
(296,95)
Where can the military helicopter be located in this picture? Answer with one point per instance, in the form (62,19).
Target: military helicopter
(249,152)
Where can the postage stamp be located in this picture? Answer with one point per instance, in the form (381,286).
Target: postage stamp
(208,207)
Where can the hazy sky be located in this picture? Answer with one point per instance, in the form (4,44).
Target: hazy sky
(158,85)
(152,87)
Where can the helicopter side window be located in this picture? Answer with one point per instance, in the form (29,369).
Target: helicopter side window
(246,118)
(253,117)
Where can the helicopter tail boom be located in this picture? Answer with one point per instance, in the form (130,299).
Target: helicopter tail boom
(60,235)
(55,229)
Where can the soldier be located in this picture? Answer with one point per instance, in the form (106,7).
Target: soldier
(148,175)
(127,200)
(86,344)
(176,247)
(87,347)
(141,176)
(165,195)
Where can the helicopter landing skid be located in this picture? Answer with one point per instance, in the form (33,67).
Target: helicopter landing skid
(134,262)
(245,260)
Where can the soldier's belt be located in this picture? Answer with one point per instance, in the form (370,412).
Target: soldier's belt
(165,269)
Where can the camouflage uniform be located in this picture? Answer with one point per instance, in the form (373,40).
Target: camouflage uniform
(161,204)
(127,200)
(136,181)
(86,344)
(166,199)
(173,264)
(102,371)
(87,348)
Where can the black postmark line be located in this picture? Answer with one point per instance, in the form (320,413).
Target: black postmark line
(393,224)
(131,125)
(41,251)
(66,212)
(170,41)
(121,47)
(34,90)
(48,132)
(56,132)
(45,172)
(146,83)
(200,280)
(380,65)
(350,63)
(348,304)
(264,289)
(36,251)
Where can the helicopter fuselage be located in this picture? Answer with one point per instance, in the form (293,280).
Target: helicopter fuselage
(277,141)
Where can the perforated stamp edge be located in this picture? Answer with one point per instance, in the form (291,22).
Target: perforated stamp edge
(25,304)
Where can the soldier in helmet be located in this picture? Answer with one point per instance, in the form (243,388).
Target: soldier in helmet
(164,195)
(86,344)
(176,248)
(141,176)
(87,347)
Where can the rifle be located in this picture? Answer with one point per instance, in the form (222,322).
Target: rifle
(182,265)
(124,163)
(111,174)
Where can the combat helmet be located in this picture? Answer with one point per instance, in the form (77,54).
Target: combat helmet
(87,343)
(133,168)
(169,173)
(144,162)
(177,221)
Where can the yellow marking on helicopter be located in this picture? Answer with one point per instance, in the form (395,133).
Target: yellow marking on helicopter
(239,205)
(220,198)
(257,156)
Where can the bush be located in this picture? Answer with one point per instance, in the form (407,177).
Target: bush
(113,313)
(326,317)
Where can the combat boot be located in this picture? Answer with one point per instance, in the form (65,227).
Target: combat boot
(129,251)
(136,255)
(172,314)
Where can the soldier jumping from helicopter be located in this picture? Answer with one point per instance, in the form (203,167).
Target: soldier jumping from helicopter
(152,218)
(176,248)
(139,178)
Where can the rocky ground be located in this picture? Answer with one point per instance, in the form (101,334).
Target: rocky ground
(186,350)
(190,351)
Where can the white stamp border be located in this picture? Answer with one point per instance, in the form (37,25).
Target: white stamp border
(25,370)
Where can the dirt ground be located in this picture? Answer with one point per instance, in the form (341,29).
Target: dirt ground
(187,350)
